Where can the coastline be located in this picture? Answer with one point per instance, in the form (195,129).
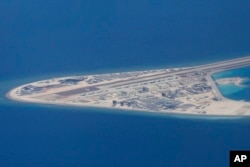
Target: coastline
(10,95)
(131,111)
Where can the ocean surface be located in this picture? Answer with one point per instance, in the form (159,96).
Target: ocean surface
(46,39)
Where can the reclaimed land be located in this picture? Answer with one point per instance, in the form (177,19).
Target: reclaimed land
(189,90)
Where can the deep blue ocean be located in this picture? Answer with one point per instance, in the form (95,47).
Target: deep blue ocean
(41,39)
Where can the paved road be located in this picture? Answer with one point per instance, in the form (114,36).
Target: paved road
(219,66)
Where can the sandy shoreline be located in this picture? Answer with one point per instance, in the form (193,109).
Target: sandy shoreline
(229,107)
(10,96)
(120,110)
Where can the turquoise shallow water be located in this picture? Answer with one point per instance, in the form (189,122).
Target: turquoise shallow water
(232,91)
(246,82)
(47,135)
(45,39)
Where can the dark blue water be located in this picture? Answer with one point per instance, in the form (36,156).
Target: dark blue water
(44,39)
(232,91)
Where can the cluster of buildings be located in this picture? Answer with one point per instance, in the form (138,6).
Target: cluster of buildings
(165,94)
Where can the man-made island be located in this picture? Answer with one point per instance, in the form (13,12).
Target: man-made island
(188,90)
